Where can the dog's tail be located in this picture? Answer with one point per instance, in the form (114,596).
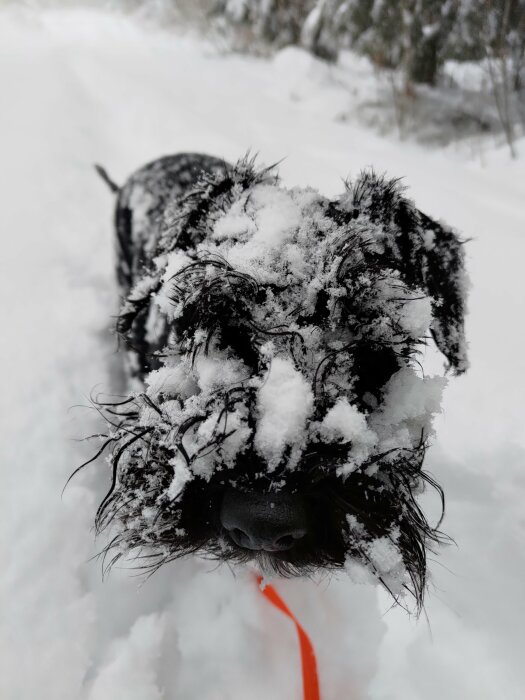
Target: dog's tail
(109,182)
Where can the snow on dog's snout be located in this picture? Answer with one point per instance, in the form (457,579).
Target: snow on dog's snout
(284,404)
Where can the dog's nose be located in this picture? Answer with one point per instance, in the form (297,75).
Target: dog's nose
(272,522)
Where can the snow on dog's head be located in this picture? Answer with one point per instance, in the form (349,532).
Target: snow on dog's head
(291,328)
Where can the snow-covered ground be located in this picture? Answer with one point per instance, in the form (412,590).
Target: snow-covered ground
(79,87)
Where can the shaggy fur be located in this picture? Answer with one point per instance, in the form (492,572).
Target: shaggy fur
(215,310)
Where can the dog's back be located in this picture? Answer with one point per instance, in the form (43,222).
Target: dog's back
(140,217)
(141,208)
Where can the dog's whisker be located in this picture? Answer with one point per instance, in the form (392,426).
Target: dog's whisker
(89,461)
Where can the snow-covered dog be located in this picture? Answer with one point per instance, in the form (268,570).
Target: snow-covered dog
(278,411)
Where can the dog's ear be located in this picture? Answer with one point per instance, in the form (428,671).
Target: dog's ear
(426,253)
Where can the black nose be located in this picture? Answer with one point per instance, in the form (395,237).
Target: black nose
(272,522)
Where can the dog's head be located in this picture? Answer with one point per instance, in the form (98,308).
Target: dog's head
(289,416)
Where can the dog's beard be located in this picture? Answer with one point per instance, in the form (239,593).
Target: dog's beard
(173,458)
(369,516)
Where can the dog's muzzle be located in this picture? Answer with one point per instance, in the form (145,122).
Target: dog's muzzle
(270,522)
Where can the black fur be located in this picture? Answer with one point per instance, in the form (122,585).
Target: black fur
(336,334)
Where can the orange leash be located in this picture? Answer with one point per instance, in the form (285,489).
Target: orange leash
(308,660)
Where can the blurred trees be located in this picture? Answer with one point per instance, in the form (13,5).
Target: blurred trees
(276,22)
(416,36)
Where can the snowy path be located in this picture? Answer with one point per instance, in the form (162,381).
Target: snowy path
(81,87)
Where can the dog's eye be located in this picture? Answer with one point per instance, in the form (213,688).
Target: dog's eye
(372,368)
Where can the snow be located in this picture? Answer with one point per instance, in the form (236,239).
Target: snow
(385,557)
(81,87)
(345,422)
(469,75)
(263,241)
(408,397)
(181,476)
(284,404)
(131,669)
(416,316)
(216,371)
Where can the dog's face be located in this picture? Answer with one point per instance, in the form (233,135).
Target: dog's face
(288,417)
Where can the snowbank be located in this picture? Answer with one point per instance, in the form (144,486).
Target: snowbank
(82,87)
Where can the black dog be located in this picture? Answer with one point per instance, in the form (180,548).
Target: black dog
(279,412)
